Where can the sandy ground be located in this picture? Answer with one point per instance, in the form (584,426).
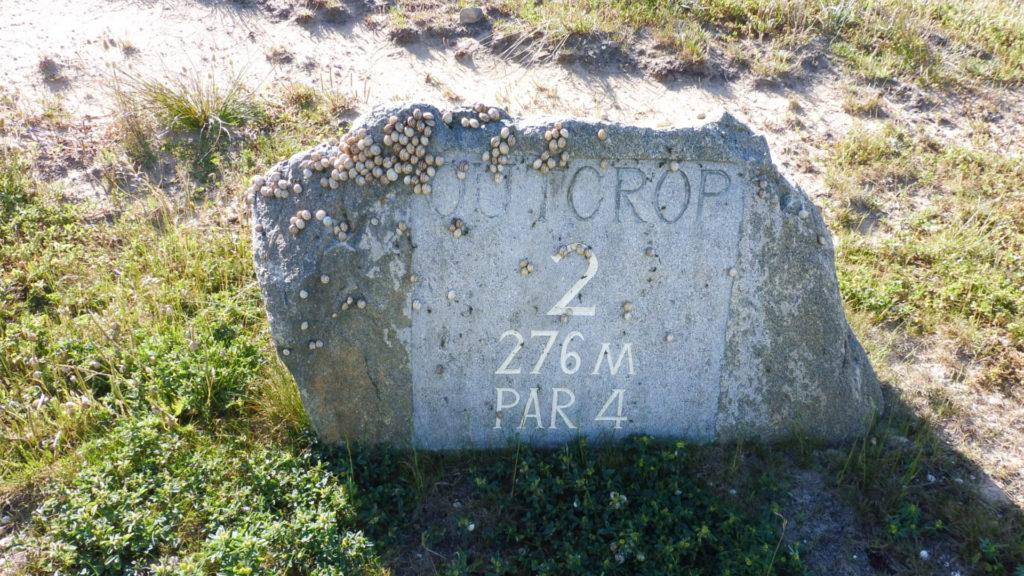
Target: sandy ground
(88,40)
(66,51)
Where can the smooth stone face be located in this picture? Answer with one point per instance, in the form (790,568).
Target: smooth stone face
(663,282)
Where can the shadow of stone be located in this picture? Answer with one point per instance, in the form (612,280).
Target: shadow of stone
(921,505)
(897,500)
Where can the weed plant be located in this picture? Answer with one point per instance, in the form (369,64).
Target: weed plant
(196,113)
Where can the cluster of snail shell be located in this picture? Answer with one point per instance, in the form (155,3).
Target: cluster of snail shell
(577,247)
(458,228)
(360,159)
(298,222)
(498,156)
(525,267)
(402,156)
(555,156)
(484,116)
(408,141)
(275,185)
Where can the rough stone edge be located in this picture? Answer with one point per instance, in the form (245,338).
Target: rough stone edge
(806,334)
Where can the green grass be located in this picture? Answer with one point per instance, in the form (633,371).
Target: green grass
(930,42)
(953,257)
(200,112)
(194,102)
(105,319)
(155,311)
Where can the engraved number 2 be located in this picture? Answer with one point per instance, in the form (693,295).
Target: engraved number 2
(561,307)
(504,368)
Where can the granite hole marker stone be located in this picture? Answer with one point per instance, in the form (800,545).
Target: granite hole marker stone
(458,279)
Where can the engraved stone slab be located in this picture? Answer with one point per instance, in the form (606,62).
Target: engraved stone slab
(460,279)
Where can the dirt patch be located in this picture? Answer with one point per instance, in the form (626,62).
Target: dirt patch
(825,528)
